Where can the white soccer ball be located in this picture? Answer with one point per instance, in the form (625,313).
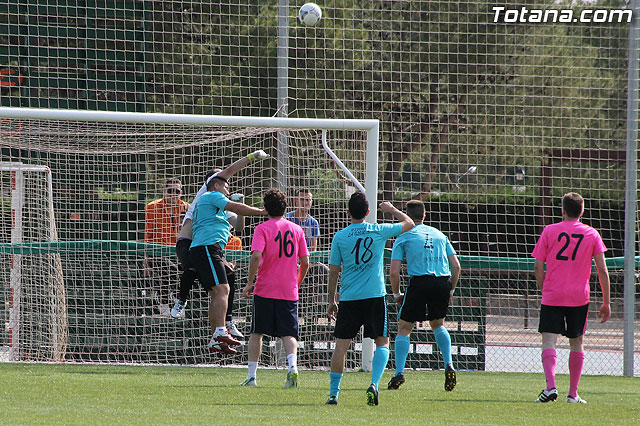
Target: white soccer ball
(310,14)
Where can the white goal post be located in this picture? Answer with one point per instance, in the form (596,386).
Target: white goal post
(33,220)
(371,127)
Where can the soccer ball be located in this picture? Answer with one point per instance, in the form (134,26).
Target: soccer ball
(310,14)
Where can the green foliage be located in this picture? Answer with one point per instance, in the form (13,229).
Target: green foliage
(75,394)
(452,88)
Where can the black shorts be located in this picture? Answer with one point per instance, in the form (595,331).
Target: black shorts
(425,292)
(570,321)
(208,262)
(183,253)
(274,317)
(370,313)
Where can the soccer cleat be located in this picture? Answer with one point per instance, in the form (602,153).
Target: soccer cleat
(548,395)
(333,400)
(178,309)
(222,347)
(372,395)
(225,338)
(249,381)
(576,400)
(233,330)
(292,380)
(449,378)
(396,381)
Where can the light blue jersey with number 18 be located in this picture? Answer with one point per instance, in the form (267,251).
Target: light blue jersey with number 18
(359,248)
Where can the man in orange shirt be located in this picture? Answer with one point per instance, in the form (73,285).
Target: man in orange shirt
(162,222)
(235,243)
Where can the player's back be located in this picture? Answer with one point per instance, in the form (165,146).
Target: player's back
(282,243)
(359,248)
(426,250)
(567,248)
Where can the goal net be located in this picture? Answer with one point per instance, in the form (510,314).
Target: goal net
(487,117)
(34,291)
(98,178)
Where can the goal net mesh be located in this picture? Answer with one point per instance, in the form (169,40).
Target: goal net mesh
(103,176)
(488,119)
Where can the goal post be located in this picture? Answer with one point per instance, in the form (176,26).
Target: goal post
(109,165)
(368,125)
(33,220)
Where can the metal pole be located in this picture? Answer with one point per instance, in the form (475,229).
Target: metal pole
(283,92)
(188,119)
(631,192)
(371,185)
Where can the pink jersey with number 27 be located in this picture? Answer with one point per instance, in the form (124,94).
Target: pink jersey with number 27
(567,248)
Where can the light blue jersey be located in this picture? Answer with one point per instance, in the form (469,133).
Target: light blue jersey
(359,248)
(426,251)
(210,224)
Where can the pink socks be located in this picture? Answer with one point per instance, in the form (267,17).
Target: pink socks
(549,360)
(576,362)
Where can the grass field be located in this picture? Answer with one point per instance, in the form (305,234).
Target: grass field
(98,394)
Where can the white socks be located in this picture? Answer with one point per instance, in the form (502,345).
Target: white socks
(253,369)
(292,360)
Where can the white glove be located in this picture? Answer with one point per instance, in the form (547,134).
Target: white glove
(257,155)
(238,198)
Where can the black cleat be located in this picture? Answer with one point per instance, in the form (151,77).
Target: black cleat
(372,395)
(333,400)
(396,381)
(547,395)
(449,378)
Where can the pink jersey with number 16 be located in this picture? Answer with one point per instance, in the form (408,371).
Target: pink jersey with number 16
(282,243)
(567,248)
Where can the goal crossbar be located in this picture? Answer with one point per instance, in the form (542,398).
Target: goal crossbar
(369,126)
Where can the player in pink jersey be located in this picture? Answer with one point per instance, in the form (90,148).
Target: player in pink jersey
(275,249)
(567,248)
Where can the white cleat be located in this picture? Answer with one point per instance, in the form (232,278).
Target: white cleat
(576,400)
(233,330)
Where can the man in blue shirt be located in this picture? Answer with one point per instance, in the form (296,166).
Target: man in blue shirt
(359,250)
(210,236)
(300,216)
(434,270)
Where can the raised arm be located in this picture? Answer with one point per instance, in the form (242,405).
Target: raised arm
(242,163)
(403,219)
(603,277)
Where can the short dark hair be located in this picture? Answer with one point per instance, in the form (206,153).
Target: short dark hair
(415,210)
(573,204)
(212,182)
(358,205)
(303,191)
(211,173)
(172,181)
(275,202)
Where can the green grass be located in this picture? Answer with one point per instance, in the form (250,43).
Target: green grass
(97,394)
